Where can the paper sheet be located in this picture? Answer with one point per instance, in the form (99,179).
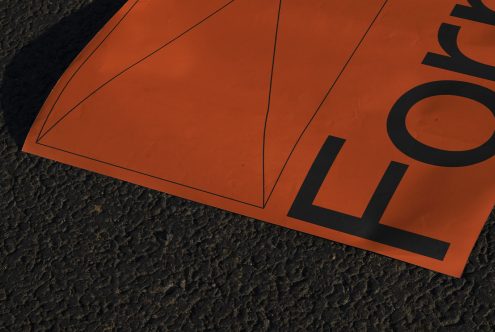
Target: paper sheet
(370,123)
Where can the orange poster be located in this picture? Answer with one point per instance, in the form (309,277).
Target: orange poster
(369,123)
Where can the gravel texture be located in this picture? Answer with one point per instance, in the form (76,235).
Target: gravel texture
(79,251)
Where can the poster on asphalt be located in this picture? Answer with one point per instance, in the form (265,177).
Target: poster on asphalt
(370,123)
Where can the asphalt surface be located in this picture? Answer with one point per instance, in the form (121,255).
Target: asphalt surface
(79,251)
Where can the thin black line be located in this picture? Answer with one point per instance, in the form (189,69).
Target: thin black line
(190,187)
(269,101)
(323,101)
(79,68)
(134,64)
(149,175)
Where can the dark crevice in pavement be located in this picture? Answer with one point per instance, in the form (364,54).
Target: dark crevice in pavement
(36,67)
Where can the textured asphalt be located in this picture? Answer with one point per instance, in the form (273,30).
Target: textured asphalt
(79,251)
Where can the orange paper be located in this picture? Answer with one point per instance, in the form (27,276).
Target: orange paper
(370,122)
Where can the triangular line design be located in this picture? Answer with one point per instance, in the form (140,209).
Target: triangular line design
(41,135)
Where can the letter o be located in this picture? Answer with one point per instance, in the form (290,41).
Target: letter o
(402,139)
